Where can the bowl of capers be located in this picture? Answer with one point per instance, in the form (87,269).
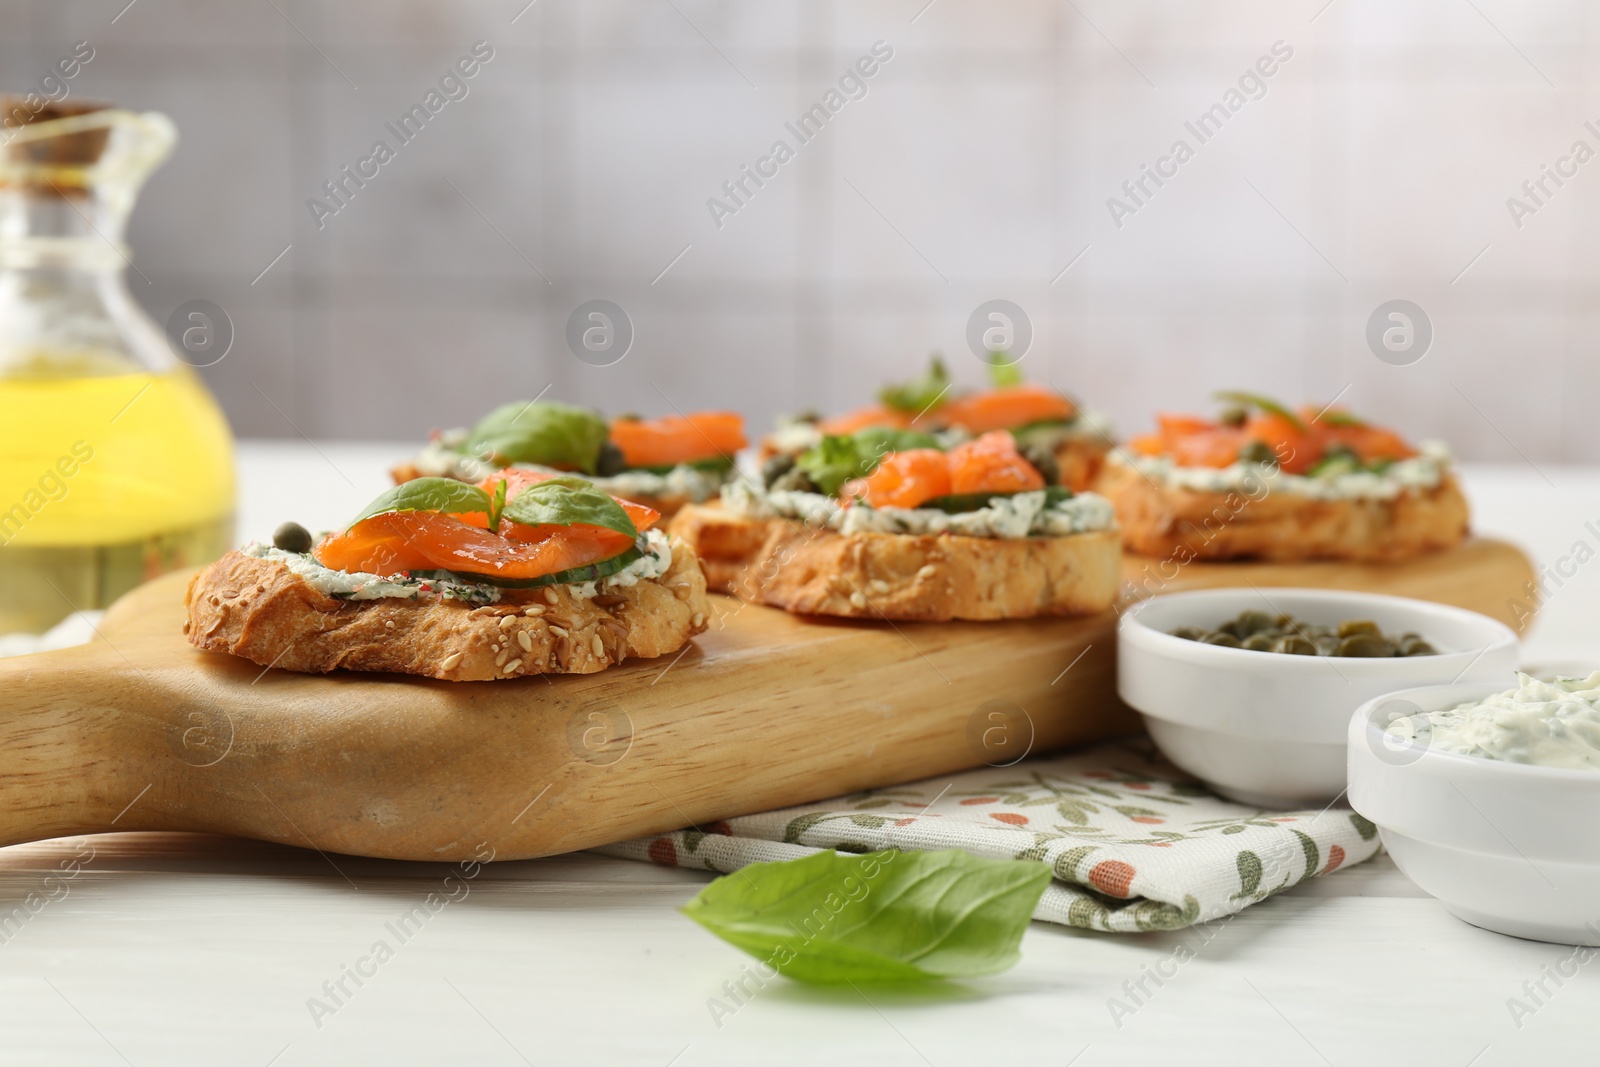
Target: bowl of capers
(1251,689)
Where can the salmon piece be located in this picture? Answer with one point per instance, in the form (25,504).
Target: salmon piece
(675,439)
(1214,446)
(1369,443)
(1172,427)
(1296,447)
(991,464)
(1006,408)
(518,478)
(865,418)
(1148,444)
(903,480)
(423,540)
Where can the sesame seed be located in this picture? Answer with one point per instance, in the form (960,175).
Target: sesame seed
(524,640)
(508,622)
(878,585)
(514,665)
(450,662)
(599,646)
(857,600)
(534,609)
(500,660)
(215,600)
(927,571)
(699,619)
(549,595)
(388,624)
(494,646)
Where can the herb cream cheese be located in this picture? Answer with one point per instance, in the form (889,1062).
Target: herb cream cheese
(1021,515)
(1548,724)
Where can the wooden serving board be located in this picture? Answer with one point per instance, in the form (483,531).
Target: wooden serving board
(1481,574)
(140,731)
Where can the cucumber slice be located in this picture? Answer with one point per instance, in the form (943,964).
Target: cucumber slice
(956,503)
(589,573)
(716,463)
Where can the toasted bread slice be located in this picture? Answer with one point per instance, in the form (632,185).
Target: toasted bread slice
(933,577)
(261,610)
(1281,526)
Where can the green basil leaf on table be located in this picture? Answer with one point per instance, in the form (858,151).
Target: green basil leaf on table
(429,494)
(880,917)
(917,395)
(565,501)
(548,433)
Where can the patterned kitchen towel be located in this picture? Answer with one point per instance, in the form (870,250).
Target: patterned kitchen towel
(1134,845)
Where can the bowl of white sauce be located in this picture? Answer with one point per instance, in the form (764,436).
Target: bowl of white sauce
(1488,797)
(1268,728)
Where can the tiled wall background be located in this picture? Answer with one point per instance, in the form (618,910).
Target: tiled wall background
(1376,166)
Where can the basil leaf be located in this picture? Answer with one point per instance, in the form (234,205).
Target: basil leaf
(879,917)
(429,494)
(1340,418)
(555,435)
(1266,404)
(917,395)
(1003,374)
(838,459)
(565,501)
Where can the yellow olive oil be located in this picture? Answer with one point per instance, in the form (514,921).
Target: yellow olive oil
(106,480)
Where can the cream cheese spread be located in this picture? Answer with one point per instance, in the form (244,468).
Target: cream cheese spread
(793,438)
(1424,471)
(1548,724)
(1021,515)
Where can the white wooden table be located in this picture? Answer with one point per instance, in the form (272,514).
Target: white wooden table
(179,949)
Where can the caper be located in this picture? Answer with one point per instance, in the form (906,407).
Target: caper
(808,416)
(1363,644)
(629,416)
(1257,643)
(1415,647)
(292,537)
(1232,629)
(775,468)
(1294,645)
(1253,622)
(1351,627)
(1259,452)
(1043,460)
(1234,417)
(610,461)
(1219,638)
(1189,633)
(795,481)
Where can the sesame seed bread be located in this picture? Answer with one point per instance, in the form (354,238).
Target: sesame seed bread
(264,612)
(1282,527)
(934,577)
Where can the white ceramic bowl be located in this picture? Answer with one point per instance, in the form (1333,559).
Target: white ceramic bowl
(1506,846)
(1269,729)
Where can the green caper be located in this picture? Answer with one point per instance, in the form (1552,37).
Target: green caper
(1189,633)
(775,468)
(610,461)
(795,481)
(292,537)
(1234,417)
(1254,622)
(807,416)
(1257,643)
(1226,640)
(629,416)
(1351,627)
(1294,645)
(1415,647)
(1363,644)
(1259,452)
(1232,629)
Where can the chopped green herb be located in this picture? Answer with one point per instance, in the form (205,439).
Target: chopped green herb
(916,396)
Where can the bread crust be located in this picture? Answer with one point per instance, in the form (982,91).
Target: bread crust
(1281,527)
(933,577)
(1079,459)
(262,611)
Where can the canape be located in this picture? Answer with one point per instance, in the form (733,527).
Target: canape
(1263,482)
(1049,428)
(523,573)
(664,463)
(885,523)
